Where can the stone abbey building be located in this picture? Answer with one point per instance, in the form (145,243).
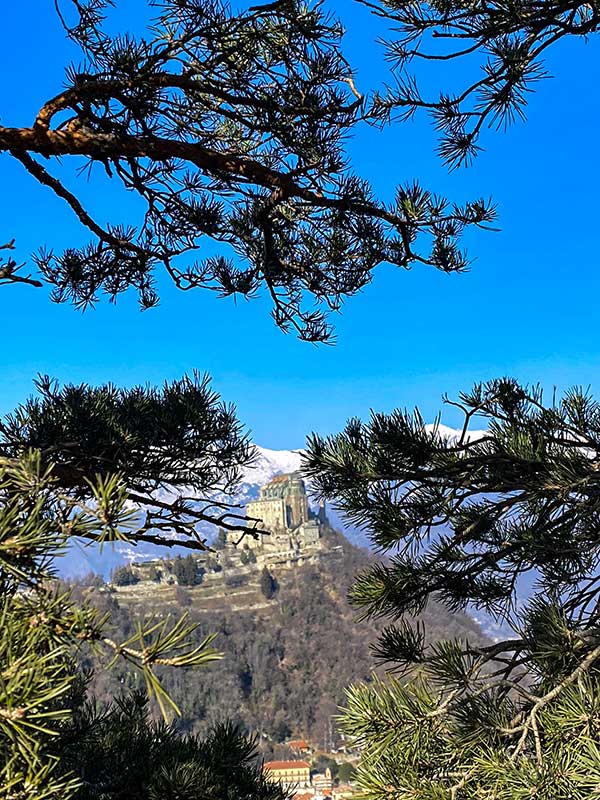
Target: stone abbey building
(288,534)
(283,512)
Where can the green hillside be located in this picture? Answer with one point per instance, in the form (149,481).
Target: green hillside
(287,660)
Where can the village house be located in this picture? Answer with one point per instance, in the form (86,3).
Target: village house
(295,775)
(290,774)
(343,792)
(300,746)
(322,783)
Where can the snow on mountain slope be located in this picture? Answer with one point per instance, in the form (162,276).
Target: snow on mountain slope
(277,462)
(269,463)
(452,434)
(80,560)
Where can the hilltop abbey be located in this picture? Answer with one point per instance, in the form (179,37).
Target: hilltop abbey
(288,533)
(283,513)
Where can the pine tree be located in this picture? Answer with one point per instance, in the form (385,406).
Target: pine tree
(231,128)
(507,42)
(187,571)
(122,753)
(221,540)
(85,464)
(173,448)
(43,630)
(467,520)
(247,555)
(268,585)
(124,576)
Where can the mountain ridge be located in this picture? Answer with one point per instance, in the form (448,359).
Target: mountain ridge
(82,558)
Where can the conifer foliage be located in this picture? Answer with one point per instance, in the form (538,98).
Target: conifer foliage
(268,585)
(174,449)
(506,41)
(467,520)
(83,464)
(229,127)
(122,753)
(43,630)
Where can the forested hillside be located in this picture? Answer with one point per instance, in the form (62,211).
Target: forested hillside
(287,661)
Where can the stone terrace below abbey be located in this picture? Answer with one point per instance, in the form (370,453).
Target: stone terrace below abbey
(289,534)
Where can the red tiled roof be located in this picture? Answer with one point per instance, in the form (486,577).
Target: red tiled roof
(274,765)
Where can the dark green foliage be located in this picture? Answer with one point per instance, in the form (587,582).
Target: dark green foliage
(476,512)
(154,574)
(324,762)
(220,540)
(346,772)
(247,556)
(44,630)
(213,564)
(182,439)
(268,585)
(73,464)
(507,41)
(124,576)
(465,519)
(120,752)
(282,729)
(230,128)
(182,434)
(187,571)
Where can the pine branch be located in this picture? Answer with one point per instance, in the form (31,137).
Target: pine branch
(227,135)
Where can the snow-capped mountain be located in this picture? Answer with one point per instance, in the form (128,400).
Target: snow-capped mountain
(271,463)
(85,558)
(82,559)
(277,462)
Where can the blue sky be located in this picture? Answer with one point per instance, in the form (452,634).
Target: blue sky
(527,308)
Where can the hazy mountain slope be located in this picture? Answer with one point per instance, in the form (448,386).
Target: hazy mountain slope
(287,661)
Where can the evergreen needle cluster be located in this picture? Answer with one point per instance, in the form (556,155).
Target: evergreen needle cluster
(470,520)
(53,743)
(230,129)
(501,47)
